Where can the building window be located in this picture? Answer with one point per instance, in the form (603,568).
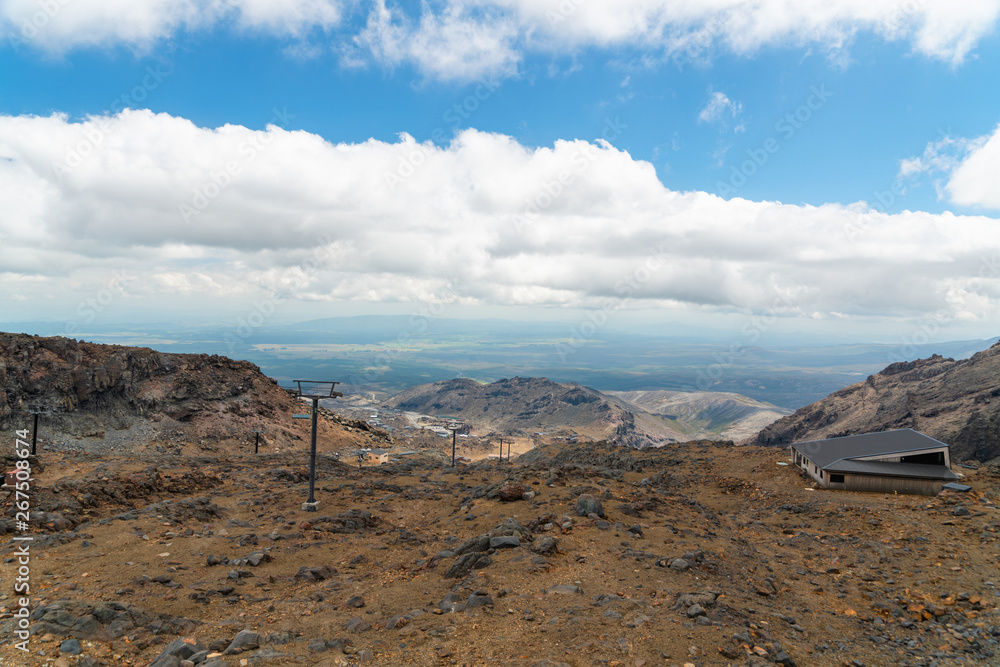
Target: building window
(836,479)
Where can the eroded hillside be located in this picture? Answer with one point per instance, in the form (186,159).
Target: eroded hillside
(957,402)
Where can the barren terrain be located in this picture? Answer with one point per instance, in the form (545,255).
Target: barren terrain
(705,555)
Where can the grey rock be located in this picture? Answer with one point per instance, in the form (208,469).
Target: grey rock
(182,649)
(71,646)
(479,600)
(317,646)
(357,602)
(473,545)
(466,563)
(245,640)
(452,603)
(258,557)
(504,542)
(679,564)
(588,504)
(563,589)
(546,545)
(166,661)
(784,659)
(696,610)
(357,624)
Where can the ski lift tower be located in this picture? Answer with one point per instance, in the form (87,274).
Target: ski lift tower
(314,390)
(454,427)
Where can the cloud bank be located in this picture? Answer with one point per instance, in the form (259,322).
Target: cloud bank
(462,39)
(191,213)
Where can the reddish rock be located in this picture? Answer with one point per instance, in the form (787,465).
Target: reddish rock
(510,491)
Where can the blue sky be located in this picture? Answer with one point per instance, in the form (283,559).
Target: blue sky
(839,161)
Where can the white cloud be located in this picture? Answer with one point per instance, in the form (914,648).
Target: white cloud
(456,44)
(974,181)
(62,25)
(963,170)
(467,39)
(575,224)
(720,108)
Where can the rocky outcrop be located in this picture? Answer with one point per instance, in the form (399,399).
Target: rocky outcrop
(957,402)
(110,397)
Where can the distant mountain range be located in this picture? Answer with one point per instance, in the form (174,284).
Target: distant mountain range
(522,406)
(957,402)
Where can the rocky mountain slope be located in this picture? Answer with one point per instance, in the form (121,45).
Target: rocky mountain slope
(700,414)
(957,402)
(114,398)
(586,555)
(524,405)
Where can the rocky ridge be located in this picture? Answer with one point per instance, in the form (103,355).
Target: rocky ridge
(106,398)
(957,402)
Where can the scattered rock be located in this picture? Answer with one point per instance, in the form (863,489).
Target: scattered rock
(587,504)
(510,491)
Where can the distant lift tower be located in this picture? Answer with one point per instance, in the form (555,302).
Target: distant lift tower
(314,390)
(454,427)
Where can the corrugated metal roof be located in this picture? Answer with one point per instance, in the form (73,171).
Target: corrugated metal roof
(889,469)
(825,452)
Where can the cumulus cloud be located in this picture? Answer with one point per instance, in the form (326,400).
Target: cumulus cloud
(963,170)
(466,39)
(974,181)
(194,213)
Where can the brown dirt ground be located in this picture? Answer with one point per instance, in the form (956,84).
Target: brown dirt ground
(832,558)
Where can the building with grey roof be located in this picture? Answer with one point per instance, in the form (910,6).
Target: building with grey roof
(901,461)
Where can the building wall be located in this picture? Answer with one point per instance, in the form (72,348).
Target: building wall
(879,484)
(805,464)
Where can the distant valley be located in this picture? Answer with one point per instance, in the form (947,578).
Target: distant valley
(388,354)
(547,410)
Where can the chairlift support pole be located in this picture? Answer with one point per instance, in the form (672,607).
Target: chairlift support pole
(256,442)
(311,505)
